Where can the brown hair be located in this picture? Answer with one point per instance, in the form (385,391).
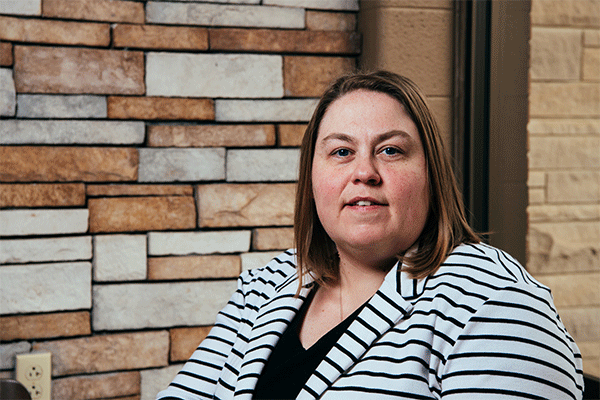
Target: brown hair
(446,225)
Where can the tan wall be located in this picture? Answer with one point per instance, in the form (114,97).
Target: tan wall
(564,164)
(148,154)
(415,39)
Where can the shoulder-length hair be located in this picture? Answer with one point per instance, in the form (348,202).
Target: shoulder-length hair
(446,225)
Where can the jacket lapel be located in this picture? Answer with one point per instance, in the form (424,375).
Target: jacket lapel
(382,312)
(273,319)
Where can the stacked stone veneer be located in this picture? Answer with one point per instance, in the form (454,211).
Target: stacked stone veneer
(564,164)
(148,155)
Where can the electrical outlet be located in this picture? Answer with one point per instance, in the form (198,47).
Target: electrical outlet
(34,370)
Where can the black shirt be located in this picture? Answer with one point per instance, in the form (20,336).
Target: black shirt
(290,365)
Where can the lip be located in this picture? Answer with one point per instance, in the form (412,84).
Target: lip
(374,202)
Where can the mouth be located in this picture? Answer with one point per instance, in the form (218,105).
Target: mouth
(363,202)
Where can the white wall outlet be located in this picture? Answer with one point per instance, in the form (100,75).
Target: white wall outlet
(34,370)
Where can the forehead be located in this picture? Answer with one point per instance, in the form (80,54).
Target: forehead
(366,112)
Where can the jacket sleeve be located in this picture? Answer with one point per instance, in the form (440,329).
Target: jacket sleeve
(514,346)
(199,376)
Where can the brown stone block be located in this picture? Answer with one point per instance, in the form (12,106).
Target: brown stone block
(310,76)
(107,352)
(222,205)
(42,195)
(272,238)
(78,70)
(564,100)
(56,32)
(211,135)
(88,164)
(95,10)
(43,326)
(160,108)
(284,41)
(160,37)
(99,386)
(193,267)
(139,190)
(125,214)
(330,21)
(185,340)
(6,54)
(291,134)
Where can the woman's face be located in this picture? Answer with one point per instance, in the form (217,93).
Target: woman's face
(369,177)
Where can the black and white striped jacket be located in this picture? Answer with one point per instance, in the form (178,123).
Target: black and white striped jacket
(479,328)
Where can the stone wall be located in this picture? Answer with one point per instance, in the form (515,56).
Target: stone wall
(564,164)
(148,154)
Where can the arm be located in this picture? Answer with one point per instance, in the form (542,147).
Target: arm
(198,377)
(514,347)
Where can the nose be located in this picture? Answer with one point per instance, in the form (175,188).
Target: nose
(366,172)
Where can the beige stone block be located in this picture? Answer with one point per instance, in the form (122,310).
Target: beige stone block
(95,10)
(565,12)
(573,290)
(310,76)
(6,54)
(281,110)
(257,259)
(284,41)
(330,21)
(290,134)
(198,242)
(54,32)
(564,100)
(583,323)
(591,37)
(45,326)
(563,213)
(102,353)
(574,187)
(193,267)
(97,386)
(417,43)
(185,340)
(211,135)
(156,380)
(160,37)
(111,190)
(272,238)
(555,53)
(197,13)
(564,152)
(42,195)
(564,126)
(536,179)
(162,108)
(124,214)
(537,196)
(78,70)
(563,247)
(223,205)
(88,164)
(442,4)
(591,65)
(21,7)
(590,350)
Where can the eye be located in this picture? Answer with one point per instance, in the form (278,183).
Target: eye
(391,151)
(341,152)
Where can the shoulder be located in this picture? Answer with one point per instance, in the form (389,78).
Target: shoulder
(277,272)
(489,269)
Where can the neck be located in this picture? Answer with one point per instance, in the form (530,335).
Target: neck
(357,282)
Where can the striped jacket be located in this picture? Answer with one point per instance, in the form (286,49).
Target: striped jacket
(479,328)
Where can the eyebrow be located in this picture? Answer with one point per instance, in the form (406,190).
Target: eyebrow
(378,139)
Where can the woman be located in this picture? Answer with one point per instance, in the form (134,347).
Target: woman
(389,293)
